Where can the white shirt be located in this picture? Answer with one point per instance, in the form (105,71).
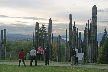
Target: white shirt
(33,52)
(76,52)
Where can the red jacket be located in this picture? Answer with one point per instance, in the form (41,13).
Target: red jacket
(21,55)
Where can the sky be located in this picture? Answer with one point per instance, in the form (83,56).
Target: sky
(20,16)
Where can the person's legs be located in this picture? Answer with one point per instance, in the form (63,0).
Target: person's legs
(77,60)
(31,60)
(48,60)
(45,60)
(39,56)
(74,60)
(71,60)
(19,63)
(23,62)
(35,60)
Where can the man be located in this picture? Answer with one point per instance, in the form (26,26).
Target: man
(21,57)
(47,52)
(33,56)
(76,58)
(73,54)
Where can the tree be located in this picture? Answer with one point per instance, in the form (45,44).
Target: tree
(104,57)
(42,35)
(103,37)
(54,51)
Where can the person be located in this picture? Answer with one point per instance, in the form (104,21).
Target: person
(42,53)
(76,58)
(47,51)
(21,57)
(73,54)
(39,53)
(33,56)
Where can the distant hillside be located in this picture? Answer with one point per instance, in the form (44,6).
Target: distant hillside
(15,37)
(99,36)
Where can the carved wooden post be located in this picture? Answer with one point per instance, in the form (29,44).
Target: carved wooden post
(79,41)
(4,43)
(52,37)
(70,33)
(49,36)
(33,40)
(77,37)
(1,46)
(94,19)
(36,35)
(66,47)
(74,36)
(59,50)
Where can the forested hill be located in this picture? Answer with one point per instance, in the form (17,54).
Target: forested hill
(16,37)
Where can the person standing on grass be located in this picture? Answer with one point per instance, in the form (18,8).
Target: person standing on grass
(21,57)
(73,54)
(76,58)
(42,53)
(33,56)
(39,53)
(47,52)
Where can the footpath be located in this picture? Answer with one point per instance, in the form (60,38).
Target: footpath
(57,64)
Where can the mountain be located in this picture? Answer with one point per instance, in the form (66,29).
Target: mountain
(99,36)
(15,37)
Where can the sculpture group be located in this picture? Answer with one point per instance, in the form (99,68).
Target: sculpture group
(88,46)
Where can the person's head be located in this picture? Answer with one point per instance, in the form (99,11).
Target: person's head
(33,48)
(22,49)
(75,46)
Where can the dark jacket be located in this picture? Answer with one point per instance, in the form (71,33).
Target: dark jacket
(73,53)
(47,51)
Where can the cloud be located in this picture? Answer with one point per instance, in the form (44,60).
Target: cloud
(32,18)
(103,21)
(103,10)
(3,16)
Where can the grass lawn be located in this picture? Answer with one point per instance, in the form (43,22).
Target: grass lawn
(15,68)
(37,61)
(96,64)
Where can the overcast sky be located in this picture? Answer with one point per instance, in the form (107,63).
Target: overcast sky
(20,16)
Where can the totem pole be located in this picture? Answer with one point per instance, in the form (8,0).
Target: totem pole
(49,37)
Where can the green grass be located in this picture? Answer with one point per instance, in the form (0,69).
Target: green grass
(14,68)
(96,64)
(37,61)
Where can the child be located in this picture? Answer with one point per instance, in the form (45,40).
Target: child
(21,57)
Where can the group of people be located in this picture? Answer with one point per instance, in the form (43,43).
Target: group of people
(74,56)
(33,55)
(46,52)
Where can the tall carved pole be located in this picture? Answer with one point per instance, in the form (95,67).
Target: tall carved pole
(74,36)
(77,37)
(94,22)
(33,40)
(59,50)
(4,43)
(52,37)
(49,36)
(1,46)
(70,33)
(66,47)
(79,42)
(36,35)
